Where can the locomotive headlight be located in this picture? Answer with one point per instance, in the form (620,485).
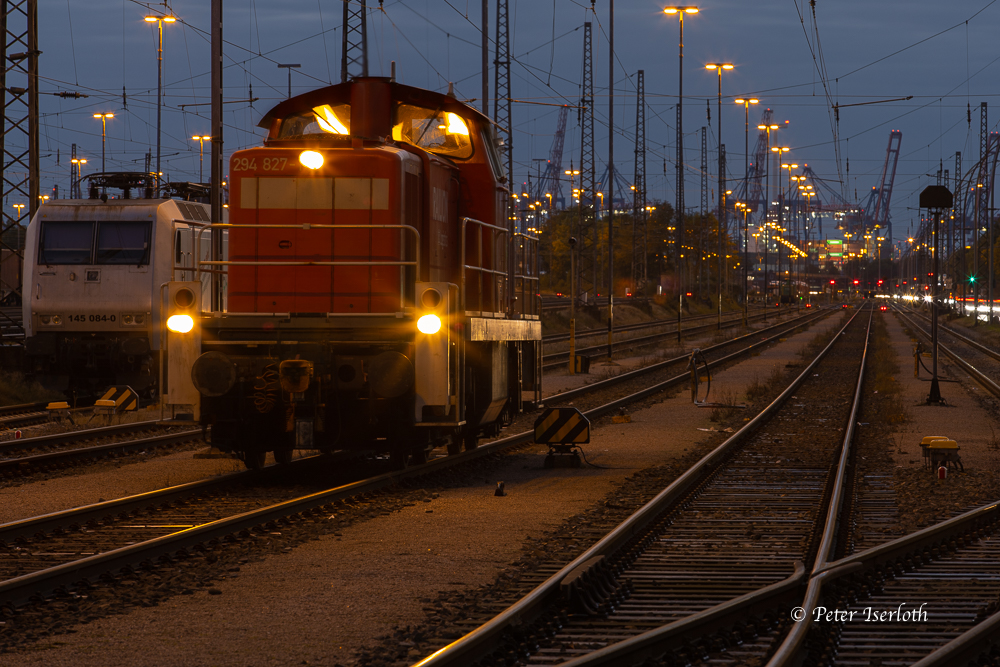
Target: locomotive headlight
(56,320)
(311,159)
(429,324)
(45,319)
(180,323)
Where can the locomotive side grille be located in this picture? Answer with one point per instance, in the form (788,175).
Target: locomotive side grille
(193,212)
(314,193)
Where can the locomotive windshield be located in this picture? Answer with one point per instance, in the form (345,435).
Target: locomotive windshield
(122,243)
(70,242)
(440,132)
(324,119)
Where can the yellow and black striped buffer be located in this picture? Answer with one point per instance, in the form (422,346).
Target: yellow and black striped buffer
(562,426)
(120,397)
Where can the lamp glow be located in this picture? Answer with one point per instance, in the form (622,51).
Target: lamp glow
(429,324)
(311,159)
(180,323)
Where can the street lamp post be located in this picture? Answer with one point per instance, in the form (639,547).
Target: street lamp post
(791,198)
(201,155)
(781,197)
(767,204)
(78,168)
(159,19)
(104,132)
(746,245)
(573,173)
(718,67)
(679,208)
(746,190)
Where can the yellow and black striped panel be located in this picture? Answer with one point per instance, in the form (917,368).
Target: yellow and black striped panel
(562,426)
(122,397)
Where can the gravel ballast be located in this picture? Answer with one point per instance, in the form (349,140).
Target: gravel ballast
(326,601)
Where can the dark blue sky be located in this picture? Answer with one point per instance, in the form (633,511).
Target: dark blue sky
(100,46)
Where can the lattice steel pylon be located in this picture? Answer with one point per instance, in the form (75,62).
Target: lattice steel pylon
(501,96)
(586,267)
(19,87)
(354,40)
(639,239)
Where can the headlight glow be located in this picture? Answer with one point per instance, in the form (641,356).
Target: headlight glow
(311,159)
(429,324)
(180,323)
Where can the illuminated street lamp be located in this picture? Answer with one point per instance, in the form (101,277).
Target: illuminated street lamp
(718,67)
(746,157)
(19,208)
(159,20)
(104,131)
(679,208)
(201,155)
(780,150)
(78,168)
(573,282)
(767,195)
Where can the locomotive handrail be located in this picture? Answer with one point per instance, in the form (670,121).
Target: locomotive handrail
(307,226)
(480,268)
(529,260)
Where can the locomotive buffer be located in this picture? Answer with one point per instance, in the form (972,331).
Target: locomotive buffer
(562,429)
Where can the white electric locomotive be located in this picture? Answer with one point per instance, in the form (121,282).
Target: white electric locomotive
(93,270)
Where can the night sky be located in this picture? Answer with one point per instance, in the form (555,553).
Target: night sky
(941,54)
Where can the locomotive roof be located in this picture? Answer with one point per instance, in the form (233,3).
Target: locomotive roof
(341,94)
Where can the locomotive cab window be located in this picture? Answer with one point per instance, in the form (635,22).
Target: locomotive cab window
(66,242)
(123,243)
(436,131)
(322,120)
(489,140)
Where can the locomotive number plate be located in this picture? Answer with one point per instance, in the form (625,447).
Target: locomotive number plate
(93,318)
(266,164)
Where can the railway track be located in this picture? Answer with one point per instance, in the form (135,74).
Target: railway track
(725,539)
(556,359)
(672,322)
(24,414)
(73,448)
(976,360)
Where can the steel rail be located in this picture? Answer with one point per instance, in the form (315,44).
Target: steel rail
(555,359)
(795,640)
(652,368)
(655,643)
(36,460)
(587,333)
(487,637)
(70,436)
(971,370)
(965,339)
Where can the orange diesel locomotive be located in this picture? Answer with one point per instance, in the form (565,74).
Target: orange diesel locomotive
(378,296)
